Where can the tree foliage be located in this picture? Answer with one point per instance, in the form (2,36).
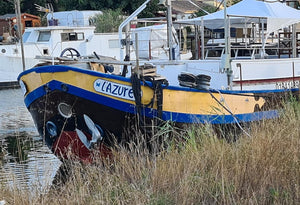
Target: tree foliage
(6,7)
(208,8)
(109,21)
(127,6)
(27,6)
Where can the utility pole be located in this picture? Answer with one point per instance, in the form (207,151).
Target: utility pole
(227,55)
(167,3)
(18,14)
(169,30)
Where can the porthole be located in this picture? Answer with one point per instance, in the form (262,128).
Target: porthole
(65,110)
(51,128)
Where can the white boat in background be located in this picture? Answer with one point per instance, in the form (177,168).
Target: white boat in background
(69,35)
(265,56)
(48,42)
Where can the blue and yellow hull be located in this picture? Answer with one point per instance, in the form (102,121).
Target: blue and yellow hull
(110,102)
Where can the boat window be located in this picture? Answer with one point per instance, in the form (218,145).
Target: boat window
(44,36)
(25,36)
(72,36)
(80,36)
(271,51)
(232,53)
(214,53)
(64,37)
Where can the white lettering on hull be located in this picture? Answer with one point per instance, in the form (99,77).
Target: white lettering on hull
(114,89)
(287,84)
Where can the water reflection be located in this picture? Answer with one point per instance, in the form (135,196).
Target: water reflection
(25,162)
(18,147)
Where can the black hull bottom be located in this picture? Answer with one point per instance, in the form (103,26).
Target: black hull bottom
(59,132)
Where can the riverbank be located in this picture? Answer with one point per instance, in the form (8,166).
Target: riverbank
(200,168)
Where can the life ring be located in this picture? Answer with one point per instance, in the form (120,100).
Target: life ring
(70,52)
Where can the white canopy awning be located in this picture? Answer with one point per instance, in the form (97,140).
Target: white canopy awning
(277,15)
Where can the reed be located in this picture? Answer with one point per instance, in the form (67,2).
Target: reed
(195,166)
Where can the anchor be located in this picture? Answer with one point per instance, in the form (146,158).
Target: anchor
(95,130)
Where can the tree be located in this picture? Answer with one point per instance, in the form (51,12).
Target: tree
(232,2)
(127,6)
(109,21)
(130,6)
(29,7)
(65,5)
(212,9)
(208,8)
(6,7)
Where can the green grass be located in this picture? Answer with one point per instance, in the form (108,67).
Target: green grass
(195,167)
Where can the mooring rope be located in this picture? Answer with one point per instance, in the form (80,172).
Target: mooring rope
(157,87)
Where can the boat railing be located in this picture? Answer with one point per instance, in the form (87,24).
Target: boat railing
(152,43)
(246,51)
(104,60)
(51,52)
(54,48)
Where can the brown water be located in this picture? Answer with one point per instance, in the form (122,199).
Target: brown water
(25,162)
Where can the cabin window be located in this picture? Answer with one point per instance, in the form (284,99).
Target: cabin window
(28,23)
(265,26)
(45,51)
(214,53)
(80,36)
(44,36)
(271,52)
(25,36)
(72,36)
(232,53)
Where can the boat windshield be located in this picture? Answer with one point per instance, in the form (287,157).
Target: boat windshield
(44,36)
(25,36)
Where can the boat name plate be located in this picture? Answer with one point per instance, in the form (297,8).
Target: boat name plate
(114,89)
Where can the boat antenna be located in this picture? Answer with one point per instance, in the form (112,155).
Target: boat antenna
(19,30)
